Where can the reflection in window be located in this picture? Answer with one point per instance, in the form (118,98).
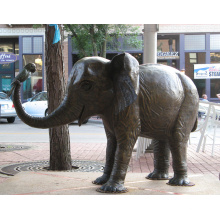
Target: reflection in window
(200,85)
(130,43)
(215,57)
(6,47)
(163,45)
(40,97)
(33,85)
(215,87)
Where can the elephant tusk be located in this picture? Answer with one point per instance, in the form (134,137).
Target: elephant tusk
(80,116)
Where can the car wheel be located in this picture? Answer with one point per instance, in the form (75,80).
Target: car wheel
(11,120)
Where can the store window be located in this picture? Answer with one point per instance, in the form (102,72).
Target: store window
(194,42)
(190,60)
(33,85)
(215,57)
(215,87)
(130,43)
(167,51)
(215,83)
(33,53)
(165,45)
(215,42)
(8,70)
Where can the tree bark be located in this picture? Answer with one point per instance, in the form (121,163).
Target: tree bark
(104,30)
(60,157)
(92,32)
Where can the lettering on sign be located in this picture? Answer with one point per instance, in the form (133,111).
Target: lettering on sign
(206,71)
(8,57)
(167,55)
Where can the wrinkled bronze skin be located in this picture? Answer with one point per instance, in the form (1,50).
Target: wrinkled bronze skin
(153,101)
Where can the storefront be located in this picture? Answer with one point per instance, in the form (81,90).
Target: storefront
(201,49)
(9,62)
(168,50)
(179,46)
(17,50)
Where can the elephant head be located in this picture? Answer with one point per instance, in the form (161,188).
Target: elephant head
(94,85)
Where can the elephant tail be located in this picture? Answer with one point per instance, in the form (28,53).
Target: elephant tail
(195,125)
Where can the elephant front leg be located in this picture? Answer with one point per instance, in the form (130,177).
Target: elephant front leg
(161,160)
(110,156)
(115,184)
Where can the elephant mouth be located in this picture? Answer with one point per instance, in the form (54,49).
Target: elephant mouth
(80,116)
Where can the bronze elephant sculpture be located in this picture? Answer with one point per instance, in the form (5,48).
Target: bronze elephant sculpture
(152,100)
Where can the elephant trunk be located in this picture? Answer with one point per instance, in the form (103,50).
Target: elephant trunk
(64,114)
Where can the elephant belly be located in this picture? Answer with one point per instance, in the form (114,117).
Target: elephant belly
(160,97)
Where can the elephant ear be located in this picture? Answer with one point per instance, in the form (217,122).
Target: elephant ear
(125,72)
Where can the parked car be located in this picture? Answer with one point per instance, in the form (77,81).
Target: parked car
(7,108)
(37,106)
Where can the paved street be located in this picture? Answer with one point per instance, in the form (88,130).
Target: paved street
(24,151)
(91,132)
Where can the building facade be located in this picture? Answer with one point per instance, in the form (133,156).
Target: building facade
(178,45)
(20,45)
(193,45)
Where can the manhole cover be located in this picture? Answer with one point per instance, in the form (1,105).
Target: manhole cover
(12,147)
(83,166)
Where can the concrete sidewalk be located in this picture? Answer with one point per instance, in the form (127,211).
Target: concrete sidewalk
(70,183)
(203,170)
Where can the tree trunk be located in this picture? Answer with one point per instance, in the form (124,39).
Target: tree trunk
(60,158)
(103,49)
(103,52)
(92,32)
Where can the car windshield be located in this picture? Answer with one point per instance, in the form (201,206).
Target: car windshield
(3,96)
(40,97)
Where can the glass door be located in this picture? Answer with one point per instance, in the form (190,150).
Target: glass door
(5,82)
(7,70)
(191,59)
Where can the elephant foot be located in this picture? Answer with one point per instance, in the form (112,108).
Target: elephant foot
(156,175)
(101,180)
(112,187)
(180,181)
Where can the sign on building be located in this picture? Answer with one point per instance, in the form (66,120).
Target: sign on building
(6,57)
(206,71)
(167,55)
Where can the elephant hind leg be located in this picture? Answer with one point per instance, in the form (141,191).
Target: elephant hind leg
(184,124)
(178,147)
(161,160)
(179,152)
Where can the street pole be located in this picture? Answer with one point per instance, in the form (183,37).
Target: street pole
(150,56)
(150,43)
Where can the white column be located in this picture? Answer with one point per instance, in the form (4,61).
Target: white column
(150,56)
(150,43)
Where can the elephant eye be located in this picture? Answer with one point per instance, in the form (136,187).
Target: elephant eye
(86,85)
